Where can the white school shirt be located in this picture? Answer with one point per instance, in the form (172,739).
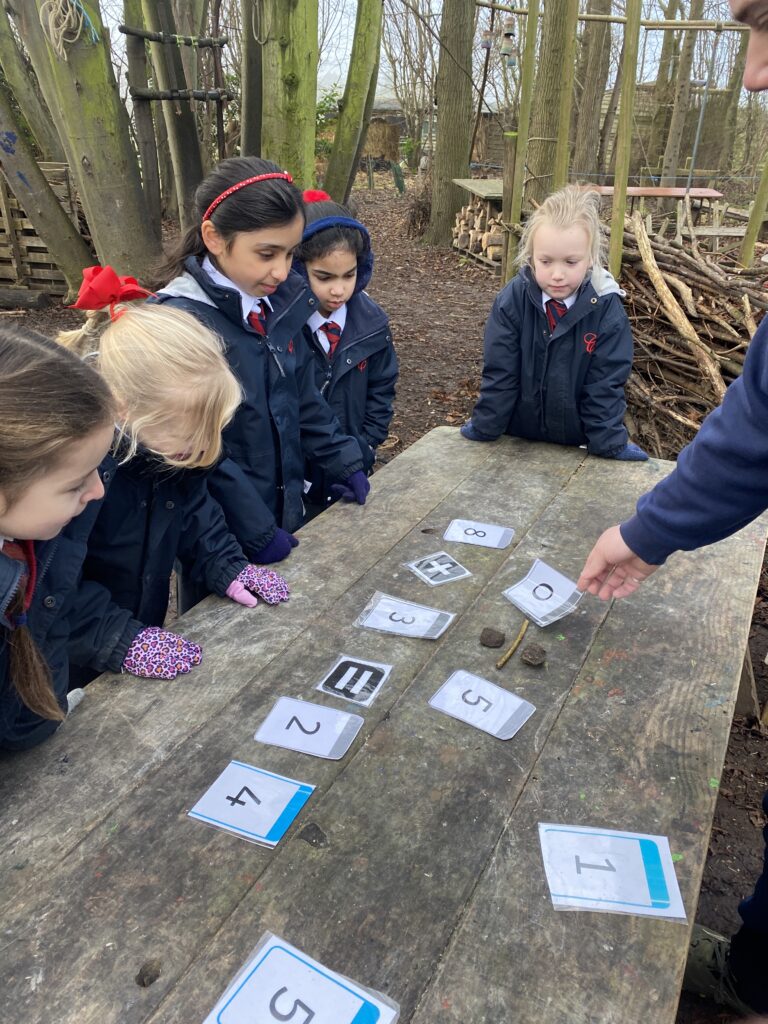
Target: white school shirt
(568,301)
(317,320)
(249,303)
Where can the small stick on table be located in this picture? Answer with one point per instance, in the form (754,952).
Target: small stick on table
(508,654)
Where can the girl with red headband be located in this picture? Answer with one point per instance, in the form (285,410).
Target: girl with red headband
(233,271)
(48,478)
(175,393)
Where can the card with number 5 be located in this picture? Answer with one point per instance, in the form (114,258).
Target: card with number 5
(280,983)
(483,704)
(309,728)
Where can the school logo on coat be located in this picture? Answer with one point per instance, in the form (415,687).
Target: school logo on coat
(590,340)
(361,366)
(290,346)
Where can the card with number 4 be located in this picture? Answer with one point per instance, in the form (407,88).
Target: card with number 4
(483,704)
(309,728)
(252,803)
(280,983)
(615,872)
(486,535)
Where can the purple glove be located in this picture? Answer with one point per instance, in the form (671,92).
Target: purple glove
(473,434)
(630,453)
(354,488)
(253,580)
(277,549)
(157,654)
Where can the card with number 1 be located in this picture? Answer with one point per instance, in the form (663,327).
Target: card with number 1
(279,982)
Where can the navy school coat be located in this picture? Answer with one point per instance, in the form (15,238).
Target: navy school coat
(283,417)
(359,384)
(564,386)
(150,517)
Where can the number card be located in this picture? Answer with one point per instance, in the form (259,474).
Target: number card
(545,595)
(487,535)
(280,983)
(252,803)
(355,679)
(309,728)
(614,872)
(438,568)
(393,615)
(483,704)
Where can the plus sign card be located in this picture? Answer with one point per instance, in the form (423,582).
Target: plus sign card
(438,568)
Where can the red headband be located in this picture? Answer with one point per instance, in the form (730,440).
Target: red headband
(102,287)
(241,184)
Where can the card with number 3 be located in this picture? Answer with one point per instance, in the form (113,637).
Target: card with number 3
(280,983)
(309,728)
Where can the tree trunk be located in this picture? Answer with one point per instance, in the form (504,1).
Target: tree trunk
(179,119)
(664,90)
(250,82)
(289,81)
(370,99)
(36,197)
(168,199)
(350,124)
(682,100)
(96,136)
(556,46)
(609,120)
(189,18)
(594,67)
(731,115)
(17,75)
(136,52)
(453,94)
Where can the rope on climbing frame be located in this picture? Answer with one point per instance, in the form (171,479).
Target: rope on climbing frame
(63,22)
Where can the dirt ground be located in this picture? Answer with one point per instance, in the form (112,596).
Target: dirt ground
(438,303)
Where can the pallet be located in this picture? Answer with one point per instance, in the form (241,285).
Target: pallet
(495,265)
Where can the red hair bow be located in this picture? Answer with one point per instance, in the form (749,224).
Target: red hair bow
(315,195)
(102,287)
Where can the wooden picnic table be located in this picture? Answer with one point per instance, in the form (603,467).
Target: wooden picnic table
(415,866)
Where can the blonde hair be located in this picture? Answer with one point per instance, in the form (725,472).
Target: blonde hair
(566,208)
(162,364)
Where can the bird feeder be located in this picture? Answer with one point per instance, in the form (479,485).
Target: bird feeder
(508,40)
(486,40)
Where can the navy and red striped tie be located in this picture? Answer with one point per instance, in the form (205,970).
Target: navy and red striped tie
(333,334)
(258,320)
(556,310)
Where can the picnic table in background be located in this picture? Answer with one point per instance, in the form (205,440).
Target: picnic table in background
(415,867)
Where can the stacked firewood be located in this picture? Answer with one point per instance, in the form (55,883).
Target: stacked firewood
(692,315)
(478,229)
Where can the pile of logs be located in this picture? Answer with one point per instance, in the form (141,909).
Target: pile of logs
(692,317)
(478,230)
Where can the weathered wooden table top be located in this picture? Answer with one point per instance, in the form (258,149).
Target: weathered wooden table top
(421,874)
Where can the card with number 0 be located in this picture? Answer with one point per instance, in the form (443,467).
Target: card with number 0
(544,594)
(280,983)
(486,535)
(483,704)
(309,728)
(252,803)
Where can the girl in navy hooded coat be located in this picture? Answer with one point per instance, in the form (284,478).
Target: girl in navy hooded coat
(233,272)
(348,335)
(558,345)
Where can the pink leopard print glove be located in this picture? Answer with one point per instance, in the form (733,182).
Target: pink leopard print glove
(254,579)
(158,654)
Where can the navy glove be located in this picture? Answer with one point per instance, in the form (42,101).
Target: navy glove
(473,434)
(630,453)
(277,549)
(354,488)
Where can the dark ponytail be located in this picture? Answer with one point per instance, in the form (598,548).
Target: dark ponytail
(49,399)
(261,205)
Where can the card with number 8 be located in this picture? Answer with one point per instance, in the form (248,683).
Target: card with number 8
(309,728)
(486,535)
(280,983)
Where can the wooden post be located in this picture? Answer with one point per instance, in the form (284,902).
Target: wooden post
(146,143)
(563,149)
(755,221)
(623,142)
(528,74)
(7,215)
(510,148)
